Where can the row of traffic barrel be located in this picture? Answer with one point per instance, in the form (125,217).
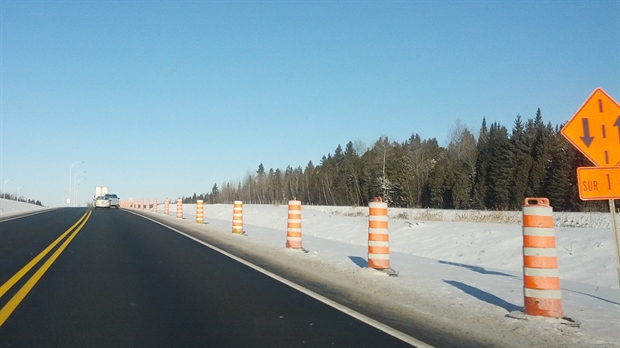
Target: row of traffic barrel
(146,205)
(541,280)
(378,242)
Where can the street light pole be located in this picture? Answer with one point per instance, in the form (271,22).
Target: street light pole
(77,187)
(74,176)
(4,188)
(71,178)
(16,193)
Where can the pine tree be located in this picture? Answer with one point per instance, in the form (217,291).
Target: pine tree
(351,171)
(558,183)
(339,182)
(479,190)
(500,168)
(215,193)
(460,167)
(523,160)
(413,164)
(540,136)
(309,184)
(434,189)
(397,172)
(261,183)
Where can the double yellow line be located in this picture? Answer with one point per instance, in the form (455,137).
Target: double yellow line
(6,311)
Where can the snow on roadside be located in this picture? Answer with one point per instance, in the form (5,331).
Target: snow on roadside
(10,207)
(585,254)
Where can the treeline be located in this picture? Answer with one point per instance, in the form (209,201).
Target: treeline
(19,199)
(494,170)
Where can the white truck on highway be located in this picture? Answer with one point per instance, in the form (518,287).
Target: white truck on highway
(100,191)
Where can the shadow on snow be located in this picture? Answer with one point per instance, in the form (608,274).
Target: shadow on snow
(359,261)
(477,269)
(484,296)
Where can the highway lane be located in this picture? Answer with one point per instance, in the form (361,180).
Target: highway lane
(21,239)
(127,281)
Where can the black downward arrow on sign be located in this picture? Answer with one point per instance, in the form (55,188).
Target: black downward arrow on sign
(617,124)
(586,138)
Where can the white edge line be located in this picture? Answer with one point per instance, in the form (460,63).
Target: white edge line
(372,322)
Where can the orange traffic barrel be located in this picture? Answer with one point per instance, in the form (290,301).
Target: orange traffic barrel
(155,205)
(141,204)
(200,217)
(378,241)
(237,223)
(179,209)
(541,278)
(293,227)
(166,206)
(148,205)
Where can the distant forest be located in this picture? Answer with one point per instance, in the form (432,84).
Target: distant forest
(496,170)
(19,198)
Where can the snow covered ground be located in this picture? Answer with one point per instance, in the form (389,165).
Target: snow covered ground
(10,208)
(465,274)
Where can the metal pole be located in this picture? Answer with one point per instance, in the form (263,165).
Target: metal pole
(70,180)
(16,199)
(614,229)
(69,195)
(75,188)
(4,188)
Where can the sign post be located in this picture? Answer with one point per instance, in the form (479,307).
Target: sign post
(595,131)
(614,228)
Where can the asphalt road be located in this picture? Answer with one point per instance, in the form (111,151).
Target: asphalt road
(121,280)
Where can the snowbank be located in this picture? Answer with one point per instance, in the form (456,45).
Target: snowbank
(10,208)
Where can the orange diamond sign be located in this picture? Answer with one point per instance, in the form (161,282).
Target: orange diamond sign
(595,129)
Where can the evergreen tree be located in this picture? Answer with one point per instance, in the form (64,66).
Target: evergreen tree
(500,168)
(381,151)
(559,184)
(215,193)
(479,190)
(460,167)
(351,171)
(397,174)
(325,176)
(494,171)
(434,190)
(261,184)
(523,160)
(309,184)
(414,162)
(540,136)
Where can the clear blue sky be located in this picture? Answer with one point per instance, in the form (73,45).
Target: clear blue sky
(165,98)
